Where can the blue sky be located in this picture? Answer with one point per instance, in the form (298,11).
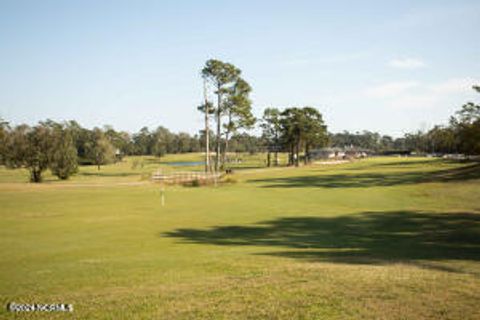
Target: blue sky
(388,66)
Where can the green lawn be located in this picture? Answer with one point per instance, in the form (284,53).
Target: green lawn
(386,238)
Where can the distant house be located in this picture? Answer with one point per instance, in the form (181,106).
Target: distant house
(337,153)
(326,153)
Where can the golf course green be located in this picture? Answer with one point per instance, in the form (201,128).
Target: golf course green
(390,237)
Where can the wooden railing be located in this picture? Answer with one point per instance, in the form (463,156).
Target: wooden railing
(182,177)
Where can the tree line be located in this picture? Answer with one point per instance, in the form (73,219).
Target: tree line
(292,130)
(460,135)
(61,147)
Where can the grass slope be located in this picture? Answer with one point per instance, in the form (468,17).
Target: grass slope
(380,238)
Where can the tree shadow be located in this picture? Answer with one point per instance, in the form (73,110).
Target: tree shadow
(403,163)
(363,180)
(418,238)
(109,174)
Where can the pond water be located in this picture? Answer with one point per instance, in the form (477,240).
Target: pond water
(185,163)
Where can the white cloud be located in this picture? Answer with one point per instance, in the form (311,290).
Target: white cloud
(310,59)
(454,85)
(412,94)
(390,89)
(406,63)
(297,61)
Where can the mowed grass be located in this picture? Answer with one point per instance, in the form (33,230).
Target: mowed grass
(386,238)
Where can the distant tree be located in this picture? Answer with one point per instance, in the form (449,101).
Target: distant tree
(314,130)
(63,156)
(143,142)
(238,109)
(121,140)
(15,146)
(467,127)
(243,142)
(29,148)
(271,131)
(80,138)
(291,123)
(441,139)
(386,143)
(99,150)
(182,142)
(163,142)
(222,75)
(4,128)
(302,127)
(195,144)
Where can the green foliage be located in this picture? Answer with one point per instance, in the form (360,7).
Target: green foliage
(4,128)
(195,183)
(220,73)
(99,150)
(162,139)
(302,127)
(63,156)
(232,100)
(238,107)
(28,147)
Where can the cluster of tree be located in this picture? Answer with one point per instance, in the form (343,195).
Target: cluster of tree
(232,110)
(293,130)
(461,135)
(372,141)
(160,142)
(46,145)
(60,147)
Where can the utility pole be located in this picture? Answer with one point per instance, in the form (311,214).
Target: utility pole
(207,132)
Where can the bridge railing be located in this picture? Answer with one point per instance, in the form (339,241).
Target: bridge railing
(183,177)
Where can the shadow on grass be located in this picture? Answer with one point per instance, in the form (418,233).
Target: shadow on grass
(367,238)
(152,160)
(403,163)
(246,167)
(362,180)
(109,174)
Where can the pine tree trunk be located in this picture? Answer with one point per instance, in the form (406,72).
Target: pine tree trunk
(227,136)
(225,150)
(306,153)
(297,151)
(35,175)
(219,125)
(291,160)
(207,132)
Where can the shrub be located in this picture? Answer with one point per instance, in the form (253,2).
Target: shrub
(229,180)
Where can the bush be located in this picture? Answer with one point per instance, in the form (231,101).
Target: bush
(230,180)
(195,183)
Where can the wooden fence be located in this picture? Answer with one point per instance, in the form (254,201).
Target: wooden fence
(184,177)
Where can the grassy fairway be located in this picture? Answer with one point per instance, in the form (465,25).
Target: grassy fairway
(380,238)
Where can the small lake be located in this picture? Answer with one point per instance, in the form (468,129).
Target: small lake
(185,163)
